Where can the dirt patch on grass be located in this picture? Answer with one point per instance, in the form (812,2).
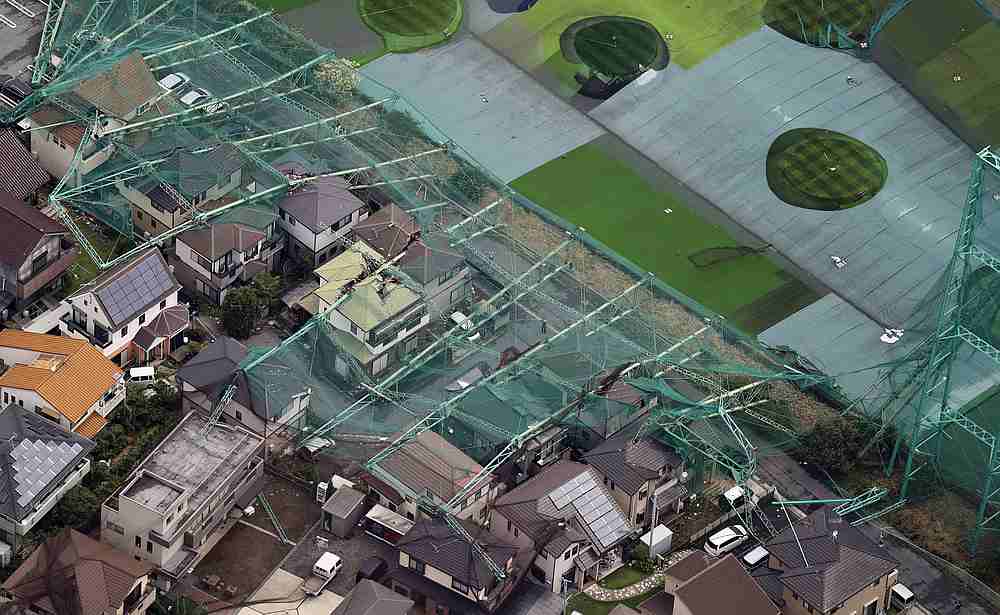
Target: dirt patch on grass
(294,505)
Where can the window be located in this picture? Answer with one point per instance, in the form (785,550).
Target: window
(567,555)
(114,527)
(643,492)
(39,263)
(458,585)
(142,318)
(201,260)
(516,533)
(416,565)
(163,304)
(239,416)
(138,541)
(509,525)
(149,546)
(640,517)
(447,275)
(138,214)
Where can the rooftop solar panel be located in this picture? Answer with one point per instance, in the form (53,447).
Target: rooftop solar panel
(134,288)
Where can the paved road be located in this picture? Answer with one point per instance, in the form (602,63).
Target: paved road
(19,45)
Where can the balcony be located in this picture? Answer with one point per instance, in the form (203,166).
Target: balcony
(76,327)
(142,603)
(52,270)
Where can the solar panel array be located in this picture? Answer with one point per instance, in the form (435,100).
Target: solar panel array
(36,465)
(594,508)
(133,290)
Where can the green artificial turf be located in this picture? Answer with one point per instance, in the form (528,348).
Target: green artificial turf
(809,21)
(588,606)
(820,169)
(623,577)
(620,209)
(407,17)
(617,47)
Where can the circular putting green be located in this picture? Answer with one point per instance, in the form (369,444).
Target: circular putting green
(413,23)
(823,23)
(820,169)
(615,47)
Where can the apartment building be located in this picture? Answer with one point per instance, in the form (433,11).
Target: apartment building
(67,381)
(73,573)
(111,311)
(209,261)
(40,463)
(181,493)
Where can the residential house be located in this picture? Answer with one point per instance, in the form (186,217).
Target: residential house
(181,493)
(20,174)
(110,311)
(71,573)
(203,380)
(822,564)
(644,475)
(127,90)
(441,271)
(209,261)
(442,572)
(615,405)
(388,231)
(439,268)
(429,465)
(317,216)
(371,598)
(67,381)
(34,255)
(568,517)
(710,587)
(378,323)
(187,179)
(40,463)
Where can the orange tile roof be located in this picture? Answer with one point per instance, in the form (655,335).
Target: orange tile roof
(75,386)
(40,342)
(93,424)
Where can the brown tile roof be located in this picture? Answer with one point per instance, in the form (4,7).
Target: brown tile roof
(75,385)
(688,567)
(70,134)
(23,227)
(837,567)
(436,543)
(218,239)
(739,593)
(72,573)
(388,230)
(91,426)
(118,91)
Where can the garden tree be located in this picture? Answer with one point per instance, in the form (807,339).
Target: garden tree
(76,509)
(240,311)
(165,605)
(340,75)
(268,287)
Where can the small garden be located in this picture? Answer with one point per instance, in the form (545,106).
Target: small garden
(408,26)
(588,606)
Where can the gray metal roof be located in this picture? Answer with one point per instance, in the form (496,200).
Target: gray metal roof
(131,289)
(371,598)
(35,456)
(343,502)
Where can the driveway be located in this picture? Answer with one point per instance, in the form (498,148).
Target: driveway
(532,599)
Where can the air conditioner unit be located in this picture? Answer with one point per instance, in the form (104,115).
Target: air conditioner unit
(321,490)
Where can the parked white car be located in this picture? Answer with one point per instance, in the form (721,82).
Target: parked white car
(726,539)
(174,81)
(756,557)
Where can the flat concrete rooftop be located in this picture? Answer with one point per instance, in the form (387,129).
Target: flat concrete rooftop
(195,459)
(153,492)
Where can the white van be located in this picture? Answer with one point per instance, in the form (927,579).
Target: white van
(141,375)
(901,597)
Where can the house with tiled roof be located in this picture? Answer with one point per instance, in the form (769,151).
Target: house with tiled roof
(317,215)
(371,598)
(429,465)
(71,573)
(700,585)
(441,270)
(67,381)
(388,231)
(822,564)
(568,517)
(260,407)
(131,312)
(40,461)
(644,475)
(377,324)
(125,91)
(209,261)
(20,174)
(34,255)
(193,175)
(439,567)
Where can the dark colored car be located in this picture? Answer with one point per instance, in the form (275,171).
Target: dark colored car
(14,88)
